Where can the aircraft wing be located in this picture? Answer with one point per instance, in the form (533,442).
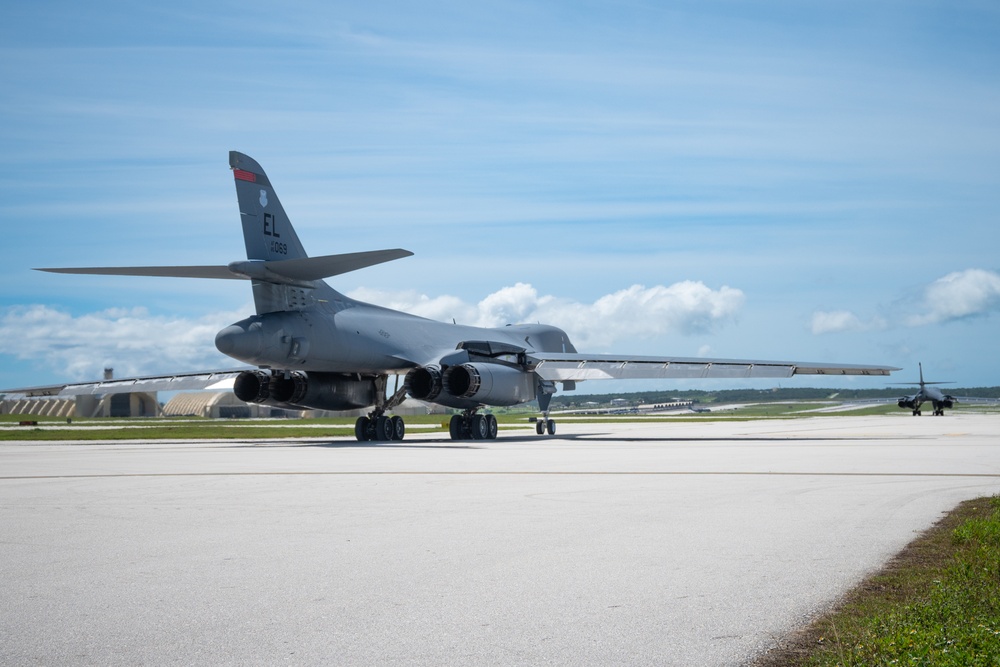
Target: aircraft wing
(560,367)
(206,381)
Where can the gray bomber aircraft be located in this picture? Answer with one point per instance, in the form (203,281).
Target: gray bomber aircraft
(313,347)
(934,396)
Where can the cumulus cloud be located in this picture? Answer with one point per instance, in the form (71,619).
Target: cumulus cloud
(131,341)
(840,321)
(956,296)
(685,308)
(959,295)
(135,342)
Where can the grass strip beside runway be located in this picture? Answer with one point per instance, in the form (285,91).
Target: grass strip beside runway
(936,603)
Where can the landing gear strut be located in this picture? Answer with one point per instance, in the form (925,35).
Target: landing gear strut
(545,425)
(473,426)
(376,427)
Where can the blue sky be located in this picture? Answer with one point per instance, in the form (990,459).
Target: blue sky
(772,180)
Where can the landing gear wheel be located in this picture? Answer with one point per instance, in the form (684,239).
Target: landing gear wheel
(550,426)
(540,427)
(383,428)
(491,427)
(398,428)
(479,427)
(361,427)
(457,427)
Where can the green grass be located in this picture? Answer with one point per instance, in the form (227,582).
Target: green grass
(937,603)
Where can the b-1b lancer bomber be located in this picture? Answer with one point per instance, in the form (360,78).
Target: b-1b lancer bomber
(314,348)
(937,398)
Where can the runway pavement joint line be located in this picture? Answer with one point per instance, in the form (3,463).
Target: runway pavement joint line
(500,473)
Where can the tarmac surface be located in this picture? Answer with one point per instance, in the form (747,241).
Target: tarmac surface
(637,544)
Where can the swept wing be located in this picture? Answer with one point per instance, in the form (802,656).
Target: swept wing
(564,367)
(205,380)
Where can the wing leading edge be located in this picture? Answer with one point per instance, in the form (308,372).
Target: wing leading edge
(208,380)
(579,367)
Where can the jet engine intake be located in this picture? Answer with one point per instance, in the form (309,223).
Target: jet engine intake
(907,402)
(489,384)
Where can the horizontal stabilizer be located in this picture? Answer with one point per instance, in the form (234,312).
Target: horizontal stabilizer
(578,367)
(154,271)
(306,269)
(317,268)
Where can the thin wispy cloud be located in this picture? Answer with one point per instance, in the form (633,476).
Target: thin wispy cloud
(843,321)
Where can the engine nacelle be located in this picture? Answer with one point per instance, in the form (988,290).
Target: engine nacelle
(946,403)
(907,402)
(317,391)
(489,384)
(423,384)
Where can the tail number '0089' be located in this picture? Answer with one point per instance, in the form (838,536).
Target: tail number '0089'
(278,248)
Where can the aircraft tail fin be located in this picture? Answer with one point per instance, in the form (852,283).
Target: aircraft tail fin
(267,231)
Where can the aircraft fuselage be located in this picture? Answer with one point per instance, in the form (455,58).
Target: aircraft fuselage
(366,339)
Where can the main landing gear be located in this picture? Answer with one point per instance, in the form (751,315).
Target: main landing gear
(472,426)
(377,427)
(938,412)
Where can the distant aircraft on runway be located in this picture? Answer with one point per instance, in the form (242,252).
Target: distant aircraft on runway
(934,396)
(315,348)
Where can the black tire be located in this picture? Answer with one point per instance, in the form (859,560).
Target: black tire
(457,427)
(383,429)
(550,426)
(478,427)
(398,428)
(491,427)
(540,427)
(361,429)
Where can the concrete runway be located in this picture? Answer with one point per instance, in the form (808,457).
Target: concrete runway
(660,544)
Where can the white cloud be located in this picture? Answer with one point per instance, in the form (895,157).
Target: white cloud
(840,321)
(686,308)
(129,340)
(134,342)
(959,295)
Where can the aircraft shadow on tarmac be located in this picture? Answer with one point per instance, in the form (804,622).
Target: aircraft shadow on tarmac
(446,443)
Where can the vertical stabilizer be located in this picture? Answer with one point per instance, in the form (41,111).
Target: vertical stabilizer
(269,236)
(267,231)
